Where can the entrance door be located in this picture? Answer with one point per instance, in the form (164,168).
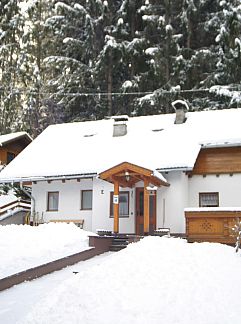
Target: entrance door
(140,212)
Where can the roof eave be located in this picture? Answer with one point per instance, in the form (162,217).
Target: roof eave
(47,178)
(25,136)
(219,145)
(183,169)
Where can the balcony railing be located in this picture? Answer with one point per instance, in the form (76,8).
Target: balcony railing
(212,224)
(7,209)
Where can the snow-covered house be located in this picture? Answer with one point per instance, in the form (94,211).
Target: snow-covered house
(11,145)
(134,175)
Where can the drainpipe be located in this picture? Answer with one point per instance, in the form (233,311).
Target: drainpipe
(164,213)
(30,196)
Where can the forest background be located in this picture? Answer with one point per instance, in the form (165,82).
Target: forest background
(66,61)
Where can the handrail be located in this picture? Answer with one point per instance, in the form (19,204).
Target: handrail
(14,204)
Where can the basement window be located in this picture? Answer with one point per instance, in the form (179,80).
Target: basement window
(208,199)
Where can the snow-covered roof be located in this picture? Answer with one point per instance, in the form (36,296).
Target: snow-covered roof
(152,142)
(7,138)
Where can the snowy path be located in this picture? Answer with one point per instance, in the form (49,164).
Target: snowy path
(157,280)
(16,302)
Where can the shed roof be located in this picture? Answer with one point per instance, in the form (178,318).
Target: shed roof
(152,142)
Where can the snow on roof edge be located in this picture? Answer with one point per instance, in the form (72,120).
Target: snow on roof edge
(6,138)
(230,143)
(179,149)
(178,168)
(46,178)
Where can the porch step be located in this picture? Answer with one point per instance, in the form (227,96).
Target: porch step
(117,248)
(119,243)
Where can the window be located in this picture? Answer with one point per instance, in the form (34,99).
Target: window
(53,201)
(208,199)
(86,199)
(10,157)
(123,204)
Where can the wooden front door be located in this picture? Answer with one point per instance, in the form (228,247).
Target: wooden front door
(140,212)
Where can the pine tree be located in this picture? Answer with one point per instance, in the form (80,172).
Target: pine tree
(10,37)
(84,59)
(24,46)
(110,67)
(38,107)
(228,75)
(161,55)
(74,34)
(129,32)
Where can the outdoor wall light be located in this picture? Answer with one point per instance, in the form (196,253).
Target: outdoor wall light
(127,176)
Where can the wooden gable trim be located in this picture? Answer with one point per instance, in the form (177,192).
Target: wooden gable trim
(122,167)
(221,160)
(137,173)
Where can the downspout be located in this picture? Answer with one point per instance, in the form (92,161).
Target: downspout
(30,196)
(164,213)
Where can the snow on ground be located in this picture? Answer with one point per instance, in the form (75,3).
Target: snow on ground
(20,299)
(23,247)
(157,280)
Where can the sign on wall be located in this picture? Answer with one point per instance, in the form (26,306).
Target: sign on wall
(115,199)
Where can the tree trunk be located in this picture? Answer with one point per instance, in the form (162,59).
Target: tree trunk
(109,85)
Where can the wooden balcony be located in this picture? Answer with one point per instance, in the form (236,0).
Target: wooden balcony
(212,224)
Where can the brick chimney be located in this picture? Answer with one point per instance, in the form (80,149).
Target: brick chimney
(181,107)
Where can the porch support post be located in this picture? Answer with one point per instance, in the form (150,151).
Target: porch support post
(116,207)
(146,207)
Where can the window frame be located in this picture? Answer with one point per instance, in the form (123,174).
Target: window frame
(203,194)
(48,200)
(111,211)
(82,199)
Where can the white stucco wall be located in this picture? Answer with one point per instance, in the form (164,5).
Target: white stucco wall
(184,192)
(70,203)
(174,198)
(101,208)
(229,188)
(69,200)
(171,202)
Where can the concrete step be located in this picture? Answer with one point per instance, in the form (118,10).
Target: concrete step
(116,248)
(119,243)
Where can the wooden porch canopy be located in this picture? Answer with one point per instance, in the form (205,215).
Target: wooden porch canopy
(127,175)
